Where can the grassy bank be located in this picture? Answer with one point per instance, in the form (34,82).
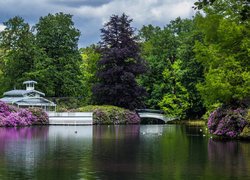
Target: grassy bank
(189,122)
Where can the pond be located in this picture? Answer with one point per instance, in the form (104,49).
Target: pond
(120,152)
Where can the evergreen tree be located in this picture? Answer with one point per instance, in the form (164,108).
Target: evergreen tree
(119,65)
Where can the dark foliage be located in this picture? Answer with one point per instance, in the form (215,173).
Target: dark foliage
(119,65)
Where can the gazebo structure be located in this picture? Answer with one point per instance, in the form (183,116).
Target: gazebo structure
(28,98)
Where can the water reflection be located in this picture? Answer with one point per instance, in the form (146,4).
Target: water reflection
(230,157)
(20,150)
(23,133)
(114,151)
(119,152)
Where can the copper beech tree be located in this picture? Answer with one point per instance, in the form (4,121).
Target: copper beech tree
(119,65)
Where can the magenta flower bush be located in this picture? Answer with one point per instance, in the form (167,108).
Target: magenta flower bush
(11,116)
(107,114)
(227,122)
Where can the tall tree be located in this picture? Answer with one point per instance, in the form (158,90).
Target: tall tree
(173,70)
(119,65)
(90,57)
(155,46)
(58,38)
(239,9)
(19,52)
(224,54)
(190,70)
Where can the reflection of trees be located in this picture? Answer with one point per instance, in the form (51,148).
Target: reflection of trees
(164,156)
(115,150)
(68,156)
(119,152)
(179,153)
(227,158)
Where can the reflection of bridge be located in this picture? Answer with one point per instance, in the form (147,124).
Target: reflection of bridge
(153,114)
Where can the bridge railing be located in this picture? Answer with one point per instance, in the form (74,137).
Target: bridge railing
(149,111)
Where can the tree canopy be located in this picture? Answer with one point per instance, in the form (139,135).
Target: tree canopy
(224,54)
(19,52)
(185,68)
(119,65)
(173,70)
(58,39)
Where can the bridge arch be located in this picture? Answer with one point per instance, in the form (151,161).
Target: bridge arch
(153,114)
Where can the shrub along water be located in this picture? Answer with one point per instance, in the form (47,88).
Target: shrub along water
(11,116)
(111,115)
(227,121)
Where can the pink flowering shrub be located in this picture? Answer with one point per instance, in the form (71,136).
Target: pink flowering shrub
(20,118)
(227,122)
(6,109)
(11,116)
(107,114)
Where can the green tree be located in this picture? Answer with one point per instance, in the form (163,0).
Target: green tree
(238,9)
(90,57)
(191,69)
(154,50)
(224,54)
(58,38)
(176,101)
(18,52)
(173,70)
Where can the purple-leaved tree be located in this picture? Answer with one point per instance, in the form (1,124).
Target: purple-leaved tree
(119,65)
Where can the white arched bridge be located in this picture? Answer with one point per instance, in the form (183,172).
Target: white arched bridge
(154,114)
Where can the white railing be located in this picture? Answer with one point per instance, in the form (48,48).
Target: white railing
(70,118)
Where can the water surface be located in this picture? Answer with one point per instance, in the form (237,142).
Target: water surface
(120,152)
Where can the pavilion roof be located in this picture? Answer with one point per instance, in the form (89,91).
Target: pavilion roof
(30,101)
(21,93)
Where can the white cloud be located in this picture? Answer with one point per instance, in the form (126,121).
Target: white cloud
(89,16)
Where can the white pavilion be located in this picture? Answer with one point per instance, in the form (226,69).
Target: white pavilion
(28,98)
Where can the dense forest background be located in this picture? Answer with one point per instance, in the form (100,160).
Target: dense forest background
(187,68)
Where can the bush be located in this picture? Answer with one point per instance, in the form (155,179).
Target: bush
(20,118)
(111,115)
(11,116)
(246,131)
(227,121)
(40,116)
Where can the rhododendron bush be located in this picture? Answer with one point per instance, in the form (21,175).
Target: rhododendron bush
(107,114)
(227,121)
(11,116)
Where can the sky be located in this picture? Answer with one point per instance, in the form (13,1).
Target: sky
(89,16)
